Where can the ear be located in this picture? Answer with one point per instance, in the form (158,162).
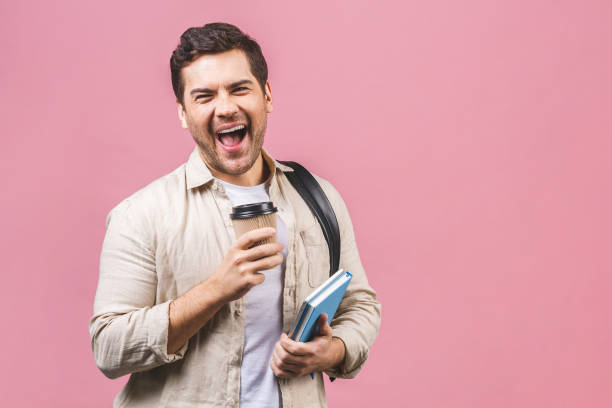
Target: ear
(268,98)
(181,114)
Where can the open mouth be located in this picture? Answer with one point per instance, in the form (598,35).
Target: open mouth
(232,137)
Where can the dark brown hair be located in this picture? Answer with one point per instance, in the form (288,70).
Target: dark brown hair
(215,38)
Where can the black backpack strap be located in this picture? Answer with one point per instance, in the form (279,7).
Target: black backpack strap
(317,201)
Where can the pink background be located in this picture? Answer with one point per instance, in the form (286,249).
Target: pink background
(470,140)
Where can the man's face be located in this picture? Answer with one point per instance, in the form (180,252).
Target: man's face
(225,110)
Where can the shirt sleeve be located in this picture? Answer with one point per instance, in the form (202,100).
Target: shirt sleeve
(358,317)
(128,331)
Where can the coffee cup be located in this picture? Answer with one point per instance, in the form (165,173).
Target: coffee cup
(248,217)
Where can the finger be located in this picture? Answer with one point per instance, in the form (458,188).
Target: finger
(280,372)
(286,360)
(324,327)
(263,264)
(251,237)
(257,279)
(262,251)
(287,368)
(277,371)
(293,347)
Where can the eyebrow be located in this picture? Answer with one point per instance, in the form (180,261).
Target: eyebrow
(232,85)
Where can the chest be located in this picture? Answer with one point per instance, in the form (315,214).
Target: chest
(192,240)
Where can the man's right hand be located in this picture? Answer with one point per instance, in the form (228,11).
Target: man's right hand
(239,270)
(237,274)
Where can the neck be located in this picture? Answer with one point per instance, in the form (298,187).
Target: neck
(257,174)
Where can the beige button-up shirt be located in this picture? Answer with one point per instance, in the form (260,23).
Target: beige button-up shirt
(171,235)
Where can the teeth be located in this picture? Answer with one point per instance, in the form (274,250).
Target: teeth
(235,128)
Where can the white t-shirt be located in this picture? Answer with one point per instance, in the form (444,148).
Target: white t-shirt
(263,323)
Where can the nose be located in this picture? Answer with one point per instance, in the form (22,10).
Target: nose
(225,106)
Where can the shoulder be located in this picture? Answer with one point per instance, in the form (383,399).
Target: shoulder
(333,195)
(326,185)
(152,199)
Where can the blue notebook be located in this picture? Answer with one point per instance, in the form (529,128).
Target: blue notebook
(325,299)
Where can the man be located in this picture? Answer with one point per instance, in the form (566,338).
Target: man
(198,317)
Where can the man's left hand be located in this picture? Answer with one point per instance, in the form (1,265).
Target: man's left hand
(292,359)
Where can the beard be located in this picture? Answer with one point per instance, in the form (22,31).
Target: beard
(207,144)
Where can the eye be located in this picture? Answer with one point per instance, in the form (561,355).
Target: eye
(241,89)
(202,96)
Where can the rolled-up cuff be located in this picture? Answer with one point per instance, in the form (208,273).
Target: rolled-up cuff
(354,356)
(158,334)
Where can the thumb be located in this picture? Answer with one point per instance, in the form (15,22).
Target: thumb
(324,327)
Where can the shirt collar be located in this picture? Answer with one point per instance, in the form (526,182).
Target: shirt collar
(197,173)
